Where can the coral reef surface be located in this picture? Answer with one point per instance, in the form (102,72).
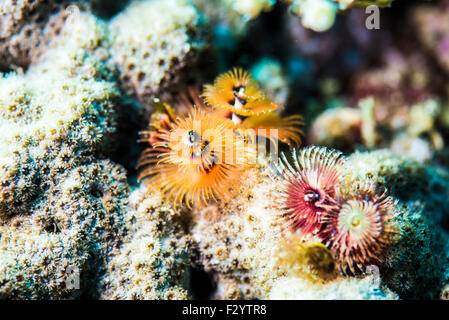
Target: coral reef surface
(341,192)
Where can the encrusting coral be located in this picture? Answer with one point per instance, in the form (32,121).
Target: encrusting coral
(29,27)
(156,46)
(73,231)
(22,26)
(155,260)
(64,214)
(237,240)
(51,114)
(60,207)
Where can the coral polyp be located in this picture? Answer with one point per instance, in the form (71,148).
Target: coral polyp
(307,187)
(199,158)
(361,228)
